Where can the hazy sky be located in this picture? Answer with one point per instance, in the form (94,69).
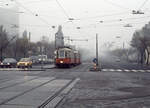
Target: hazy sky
(39,16)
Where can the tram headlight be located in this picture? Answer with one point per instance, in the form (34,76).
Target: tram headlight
(61,62)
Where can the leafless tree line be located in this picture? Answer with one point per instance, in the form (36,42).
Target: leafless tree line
(141,42)
(18,47)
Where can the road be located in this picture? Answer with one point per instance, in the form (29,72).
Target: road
(77,87)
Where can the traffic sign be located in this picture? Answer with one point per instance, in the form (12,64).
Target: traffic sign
(95,60)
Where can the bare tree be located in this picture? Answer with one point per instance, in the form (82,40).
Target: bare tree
(3,40)
(141,41)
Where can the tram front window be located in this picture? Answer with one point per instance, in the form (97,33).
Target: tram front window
(61,54)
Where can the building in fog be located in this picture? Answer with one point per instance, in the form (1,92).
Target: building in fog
(9,18)
(59,38)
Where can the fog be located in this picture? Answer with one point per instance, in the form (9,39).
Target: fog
(107,18)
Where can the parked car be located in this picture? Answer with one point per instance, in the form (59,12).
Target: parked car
(25,63)
(9,63)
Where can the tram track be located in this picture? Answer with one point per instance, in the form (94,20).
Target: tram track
(63,91)
(1,88)
(7,100)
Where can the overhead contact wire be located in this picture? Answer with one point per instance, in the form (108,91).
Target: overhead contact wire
(63,10)
(31,12)
(143,4)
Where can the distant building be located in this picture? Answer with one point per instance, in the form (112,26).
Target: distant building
(9,18)
(59,38)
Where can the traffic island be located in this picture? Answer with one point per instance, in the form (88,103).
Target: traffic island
(96,66)
(20,69)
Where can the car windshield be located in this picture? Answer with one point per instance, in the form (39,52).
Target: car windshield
(24,60)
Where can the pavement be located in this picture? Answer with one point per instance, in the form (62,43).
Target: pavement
(118,85)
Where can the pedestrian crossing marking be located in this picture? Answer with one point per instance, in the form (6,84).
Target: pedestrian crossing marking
(124,70)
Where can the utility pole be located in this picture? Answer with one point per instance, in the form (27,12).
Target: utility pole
(95,60)
(97,49)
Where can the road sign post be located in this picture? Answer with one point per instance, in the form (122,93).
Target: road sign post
(95,60)
(97,49)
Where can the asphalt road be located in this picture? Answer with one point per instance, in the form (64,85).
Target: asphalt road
(118,85)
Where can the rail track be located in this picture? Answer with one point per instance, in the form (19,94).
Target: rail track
(17,83)
(7,100)
(59,95)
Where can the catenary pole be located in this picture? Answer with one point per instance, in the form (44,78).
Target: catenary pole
(97,48)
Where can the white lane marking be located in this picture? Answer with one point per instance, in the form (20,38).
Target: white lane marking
(147,70)
(141,70)
(134,70)
(119,70)
(124,70)
(111,70)
(105,70)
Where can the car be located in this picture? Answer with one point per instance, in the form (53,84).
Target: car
(34,59)
(42,59)
(9,63)
(24,63)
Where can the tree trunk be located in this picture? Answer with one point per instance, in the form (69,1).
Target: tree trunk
(147,59)
(147,62)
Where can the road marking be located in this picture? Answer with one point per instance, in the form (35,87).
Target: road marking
(124,70)
(127,70)
(134,70)
(141,70)
(147,70)
(119,70)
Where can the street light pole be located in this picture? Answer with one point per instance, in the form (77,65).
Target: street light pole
(97,49)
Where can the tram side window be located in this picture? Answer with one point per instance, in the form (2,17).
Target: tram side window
(68,54)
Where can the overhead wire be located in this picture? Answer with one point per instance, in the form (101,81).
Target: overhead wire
(125,19)
(64,11)
(112,25)
(116,5)
(101,16)
(62,8)
(143,4)
(36,1)
(43,20)
(67,13)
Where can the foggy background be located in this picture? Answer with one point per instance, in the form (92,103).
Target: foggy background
(105,17)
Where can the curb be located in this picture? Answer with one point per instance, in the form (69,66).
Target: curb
(12,69)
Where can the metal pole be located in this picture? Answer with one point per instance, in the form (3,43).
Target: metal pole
(55,40)
(97,48)
(123,45)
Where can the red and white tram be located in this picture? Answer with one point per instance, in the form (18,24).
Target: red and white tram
(66,57)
